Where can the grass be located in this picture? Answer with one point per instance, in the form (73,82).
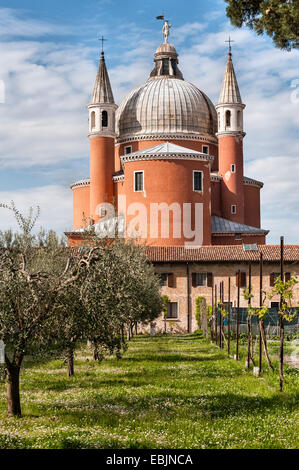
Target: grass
(166,392)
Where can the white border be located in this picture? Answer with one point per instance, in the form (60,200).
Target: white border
(140,190)
(126,147)
(197,190)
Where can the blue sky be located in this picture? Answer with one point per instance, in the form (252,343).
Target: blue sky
(48,59)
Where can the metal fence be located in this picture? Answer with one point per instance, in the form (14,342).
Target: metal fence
(271,322)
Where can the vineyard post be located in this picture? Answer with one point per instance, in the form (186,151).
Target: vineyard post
(228,321)
(261,304)
(281,378)
(238,314)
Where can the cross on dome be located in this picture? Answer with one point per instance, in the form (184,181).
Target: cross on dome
(230,44)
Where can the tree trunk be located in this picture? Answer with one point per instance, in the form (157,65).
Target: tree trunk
(281,353)
(263,335)
(95,354)
(13,390)
(70,361)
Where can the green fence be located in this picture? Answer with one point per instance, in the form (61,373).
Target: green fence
(271,322)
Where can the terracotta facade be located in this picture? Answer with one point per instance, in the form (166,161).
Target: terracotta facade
(167,146)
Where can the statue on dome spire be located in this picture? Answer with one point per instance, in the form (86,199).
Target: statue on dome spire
(166,31)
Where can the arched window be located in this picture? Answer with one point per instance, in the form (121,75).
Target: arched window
(239,118)
(104,119)
(93,120)
(228,118)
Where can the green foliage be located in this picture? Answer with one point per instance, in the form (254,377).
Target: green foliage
(209,311)
(52,295)
(200,308)
(260,312)
(165,300)
(247,294)
(166,393)
(221,309)
(279,19)
(285,289)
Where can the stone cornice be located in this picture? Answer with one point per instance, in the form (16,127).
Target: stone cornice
(155,136)
(118,178)
(230,105)
(216,178)
(80,184)
(165,156)
(101,134)
(231,134)
(102,105)
(253,182)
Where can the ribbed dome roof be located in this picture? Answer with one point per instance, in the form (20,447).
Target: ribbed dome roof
(165,105)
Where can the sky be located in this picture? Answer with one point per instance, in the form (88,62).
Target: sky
(49,53)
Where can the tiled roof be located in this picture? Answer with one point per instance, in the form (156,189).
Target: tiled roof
(220,225)
(231,253)
(166,147)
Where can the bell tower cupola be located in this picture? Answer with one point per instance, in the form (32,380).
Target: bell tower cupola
(230,138)
(102,107)
(102,142)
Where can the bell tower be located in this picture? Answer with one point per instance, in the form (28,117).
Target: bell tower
(102,141)
(230,136)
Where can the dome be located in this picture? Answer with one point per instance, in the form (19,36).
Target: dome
(166,48)
(166,105)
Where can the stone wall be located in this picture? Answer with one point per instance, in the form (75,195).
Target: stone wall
(221,272)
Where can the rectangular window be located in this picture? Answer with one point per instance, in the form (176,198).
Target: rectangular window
(233,168)
(163,278)
(234,209)
(199,279)
(241,281)
(167,280)
(128,150)
(205,149)
(197,180)
(172,310)
(273,277)
(138,181)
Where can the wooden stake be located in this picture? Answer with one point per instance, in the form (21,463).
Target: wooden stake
(228,322)
(216,314)
(238,314)
(260,321)
(281,377)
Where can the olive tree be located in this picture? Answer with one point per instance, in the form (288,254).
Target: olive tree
(32,277)
(120,291)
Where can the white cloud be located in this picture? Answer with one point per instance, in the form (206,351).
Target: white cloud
(280,196)
(13,24)
(54,201)
(44,119)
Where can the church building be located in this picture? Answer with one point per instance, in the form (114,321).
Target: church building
(172,165)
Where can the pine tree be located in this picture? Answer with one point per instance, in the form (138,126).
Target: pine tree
(277,18)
